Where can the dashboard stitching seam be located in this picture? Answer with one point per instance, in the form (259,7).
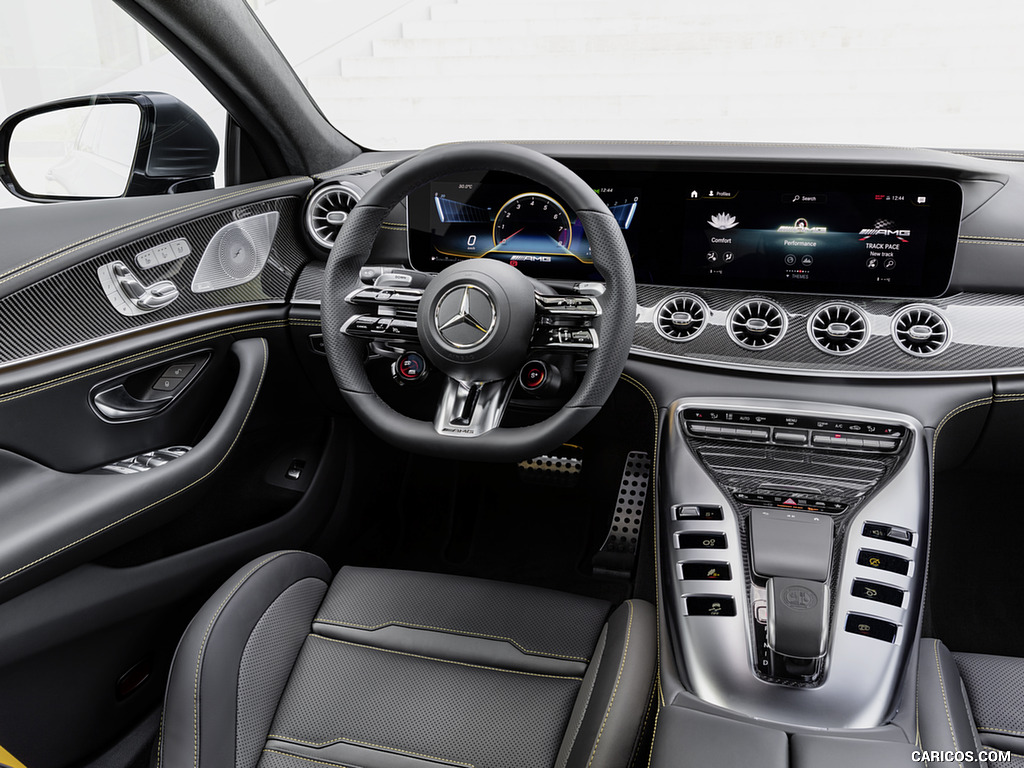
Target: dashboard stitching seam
(76,375)
(347,171)
(67,250)
(259,386)
(466,632)
(615,689)
(315,636)
(368,744)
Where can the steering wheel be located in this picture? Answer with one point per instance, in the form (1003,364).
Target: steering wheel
(478,320)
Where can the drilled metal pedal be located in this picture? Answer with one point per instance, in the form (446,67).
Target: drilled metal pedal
(618,553)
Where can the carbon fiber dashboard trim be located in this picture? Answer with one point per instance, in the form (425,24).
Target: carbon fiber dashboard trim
(70,308)
(984,328)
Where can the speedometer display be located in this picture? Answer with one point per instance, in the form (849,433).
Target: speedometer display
(537,220)
(517,223)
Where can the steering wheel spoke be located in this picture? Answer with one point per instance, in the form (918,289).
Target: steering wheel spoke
(471,409)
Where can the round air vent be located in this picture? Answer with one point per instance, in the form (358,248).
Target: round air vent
(681,317)
(757,324)
(920,330)
(327,210)
(839,328)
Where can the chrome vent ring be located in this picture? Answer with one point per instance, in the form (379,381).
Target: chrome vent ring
(756,324)
(681,317)
(920,330)
(327,210)
(838,328)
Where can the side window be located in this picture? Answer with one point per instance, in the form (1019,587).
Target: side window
(57,49)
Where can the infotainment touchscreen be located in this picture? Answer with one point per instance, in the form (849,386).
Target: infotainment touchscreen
(825,234)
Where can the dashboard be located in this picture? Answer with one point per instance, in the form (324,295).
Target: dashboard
(824,261)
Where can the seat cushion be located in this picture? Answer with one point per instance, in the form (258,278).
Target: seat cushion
(995,688)
(397,669)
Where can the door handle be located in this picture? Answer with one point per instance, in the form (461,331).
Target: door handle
(118,404)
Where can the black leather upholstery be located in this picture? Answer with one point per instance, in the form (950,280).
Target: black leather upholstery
(995,689)
(945,721)
(395,669)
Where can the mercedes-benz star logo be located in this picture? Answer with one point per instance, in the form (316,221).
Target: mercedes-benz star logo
(465,316)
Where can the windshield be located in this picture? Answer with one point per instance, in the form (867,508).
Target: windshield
(400,74)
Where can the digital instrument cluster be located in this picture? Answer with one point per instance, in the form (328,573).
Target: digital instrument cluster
(512,221)
(846,234)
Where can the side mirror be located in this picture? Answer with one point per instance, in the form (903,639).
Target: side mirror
(112,145)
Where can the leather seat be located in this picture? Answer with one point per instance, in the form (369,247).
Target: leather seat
(285,668)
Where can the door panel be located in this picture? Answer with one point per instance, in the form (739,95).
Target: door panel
(101,570)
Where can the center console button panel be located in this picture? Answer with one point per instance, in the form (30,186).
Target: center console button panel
(812,562)
(794,430)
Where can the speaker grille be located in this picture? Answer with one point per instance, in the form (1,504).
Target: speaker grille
(236,254)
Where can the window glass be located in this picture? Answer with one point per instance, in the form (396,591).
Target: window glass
(409,73)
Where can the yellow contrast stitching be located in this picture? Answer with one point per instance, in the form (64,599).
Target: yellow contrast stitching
(160,741)
(343,171)
(654,736)
(368,744)
(202,648)
(1000,730)
(395,622)
(991,237)
(67,250)
(306,759)
(259,385)
(654,498)
(76,375)
(444,661)
(945,699)
(972,241)
(615,689)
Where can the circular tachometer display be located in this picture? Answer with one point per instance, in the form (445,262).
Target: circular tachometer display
(532,222)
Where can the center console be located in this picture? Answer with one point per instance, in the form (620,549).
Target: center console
(793,539)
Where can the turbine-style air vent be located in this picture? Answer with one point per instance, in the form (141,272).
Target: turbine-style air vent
(839,329)
(757,324)
(920,330)
(681,317)
(327,210)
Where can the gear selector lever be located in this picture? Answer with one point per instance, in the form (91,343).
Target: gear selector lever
(793,551)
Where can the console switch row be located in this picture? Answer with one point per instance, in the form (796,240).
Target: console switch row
(696,512)
(871,626)
(710,605)
(883,561)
